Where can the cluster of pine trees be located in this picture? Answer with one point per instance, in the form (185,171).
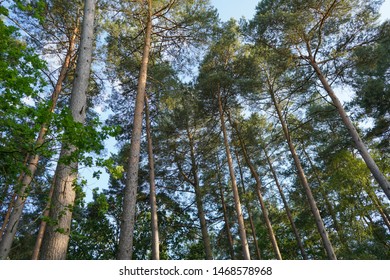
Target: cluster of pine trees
(231,139)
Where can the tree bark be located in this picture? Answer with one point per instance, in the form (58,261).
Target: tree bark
(250,216)
(328,204)
(379,207)
(237,203)
(286,207)
(33,160)
(42,227)
(260,196)
(301,174)
(153,200)
(225,216)
(56,239)
(379,177)
(130,193)
(198,199)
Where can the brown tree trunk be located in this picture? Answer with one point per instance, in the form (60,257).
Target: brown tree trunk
(33,160)
(301,174)
(7,215)
(250,216)
(225,216)
(286,207)
(237,203)
(153,200)
(130,193)
(56,239)
(260,196)
(379,207)
(198,198)
(379,177)
(42,227)
(328,204)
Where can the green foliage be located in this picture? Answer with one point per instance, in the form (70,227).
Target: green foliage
(371,81)
(21,83)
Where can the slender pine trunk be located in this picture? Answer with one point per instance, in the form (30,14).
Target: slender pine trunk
(225,215)
(378,175)
(33,160)
(153,200)
(237,203)
(55,243)
(286,207)
(198,199)
(260,196)
(130,193)
(301,174)
(250,216)
(378,206)
(42,227)
(328,204)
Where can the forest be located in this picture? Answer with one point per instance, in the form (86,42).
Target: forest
(261,138)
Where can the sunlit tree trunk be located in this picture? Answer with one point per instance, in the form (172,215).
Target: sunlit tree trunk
(56,238)
(328,204)
(260,196)
(153,200)
(130,193)
(225,215)
(301,174)
(379,177)
(237,203)
(42,227)
(250,216)
(286,207)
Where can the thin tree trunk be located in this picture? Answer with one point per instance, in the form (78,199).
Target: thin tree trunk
(153,200)
(379,207)
(328,204)
(301,174)
(225,216)
(237,203)
(379,177)
(130,193)
(286,207)
(7,215)
(198,199)
(258,253)
(33,160)
(372,225)
(260,196)
(56,239)
(42,227)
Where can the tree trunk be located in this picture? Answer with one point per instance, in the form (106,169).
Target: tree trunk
(130,193)
(198,199)
(260,196)
(301,174)
(378,206)
(33,160)
(258,253)
(225,216)
(379,177)
(42,227)
(328,204)
(237,203)
(153,200)
(56,239)
(286,207)
(6,216)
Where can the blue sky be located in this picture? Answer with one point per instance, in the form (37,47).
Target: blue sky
(246,8)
